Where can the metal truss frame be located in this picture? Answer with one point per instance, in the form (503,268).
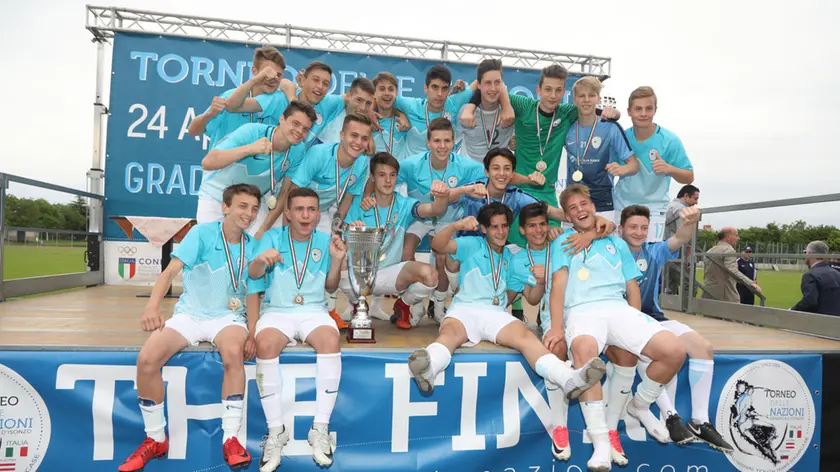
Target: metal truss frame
(103,22)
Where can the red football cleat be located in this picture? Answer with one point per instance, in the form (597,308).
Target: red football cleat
(341,324)
(150,449)
(403,312)
(235,455)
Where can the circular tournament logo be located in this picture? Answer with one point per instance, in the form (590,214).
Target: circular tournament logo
(24,423)
(453,181)
(316,255)
(596,142)
(642,263)
(766,412)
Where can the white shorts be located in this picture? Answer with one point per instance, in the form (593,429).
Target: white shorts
(196,330)
(210,210)
(676,327)
(295,325)
(421,228)
(385,283)
(481,323)
(611,323)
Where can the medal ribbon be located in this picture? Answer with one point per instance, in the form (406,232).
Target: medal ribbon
(504,195)
(588,142)
(497,270)
(339,192)
(550,127)
(299,276)
(389,143)
(271,161)
(547,268)
(489,138)
(432,170)
(390,209)
(234,277)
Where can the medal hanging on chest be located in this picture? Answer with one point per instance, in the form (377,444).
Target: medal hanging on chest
(577,176)
(497,272)
(547,276)
(583,272)
(235,275)
(542,165)
(272,199)
(299,275)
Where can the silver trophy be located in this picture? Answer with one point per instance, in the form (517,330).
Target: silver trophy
(364,246)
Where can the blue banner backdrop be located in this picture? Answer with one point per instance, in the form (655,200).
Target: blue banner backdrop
(78,411)
(159,83)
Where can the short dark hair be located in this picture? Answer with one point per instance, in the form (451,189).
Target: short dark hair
(301,192)
(364,84)
(634,210)
(687,190)
(383,159)
(315,65)
(439,72)
(554,71)
(488,65)
(532,210)
(303,107)
(236,189)
(487,212)
(499,151)
(358,118)
(387,77)
(440,124)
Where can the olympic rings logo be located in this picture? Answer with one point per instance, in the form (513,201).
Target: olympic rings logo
(127,250)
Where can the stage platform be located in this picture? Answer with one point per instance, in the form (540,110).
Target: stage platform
(109,316)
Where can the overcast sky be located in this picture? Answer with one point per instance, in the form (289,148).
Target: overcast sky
(749,86)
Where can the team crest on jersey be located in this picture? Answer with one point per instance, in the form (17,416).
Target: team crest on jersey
(285,166)
(556,122)
(319,118)
(611,249)
(643,265)
(453,181)
(316,255)
(352,179)
(596,142)
(653,154)
(447,115)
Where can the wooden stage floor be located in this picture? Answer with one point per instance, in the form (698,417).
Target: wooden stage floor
(109,316)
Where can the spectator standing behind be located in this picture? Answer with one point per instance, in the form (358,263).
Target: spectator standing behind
(747,267)
(721,274)
(688,196)
(820,285)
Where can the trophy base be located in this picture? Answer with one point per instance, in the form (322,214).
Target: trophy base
(360,335)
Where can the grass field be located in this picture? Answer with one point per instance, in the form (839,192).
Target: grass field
(781,288)
(21,261)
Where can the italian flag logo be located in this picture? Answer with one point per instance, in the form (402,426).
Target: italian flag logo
(127,267)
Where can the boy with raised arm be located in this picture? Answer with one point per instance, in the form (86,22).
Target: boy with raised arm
(412,281)
(478,311)
(661,156)
(595,299)
(389,137)
(211,309)
(265,87)
(257,154)
(295,266)
(651,259)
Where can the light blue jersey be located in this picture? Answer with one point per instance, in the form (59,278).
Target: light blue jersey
(227,122)
(279,283)
(514,198)
(650,261)
(607,145)
(402,214)
(597,274)
(520,275)
(255,169)
(274,108)
(318,173)
(208,283)
(646,187)
(390,139)
(416,112)
(476,276)
(326,111)
(331,132)
(418,175)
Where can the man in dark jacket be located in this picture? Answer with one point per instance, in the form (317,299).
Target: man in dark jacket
(747,267)
(821,284)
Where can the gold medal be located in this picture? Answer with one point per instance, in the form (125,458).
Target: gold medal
(298,299)
(234,304)
(577,176)
(542,166)
(299,276)
(272,202)
(583,273)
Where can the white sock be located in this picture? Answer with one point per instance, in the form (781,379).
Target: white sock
(663,401)
(416,292)
(647,392)
(232,416)
(327,378)
(439,358)
(453,279)
(700,372)
(331,298)
(270,385)
(621,385)
(559,403)
(596,425)
(153,419)
(440,297)
(550,367)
